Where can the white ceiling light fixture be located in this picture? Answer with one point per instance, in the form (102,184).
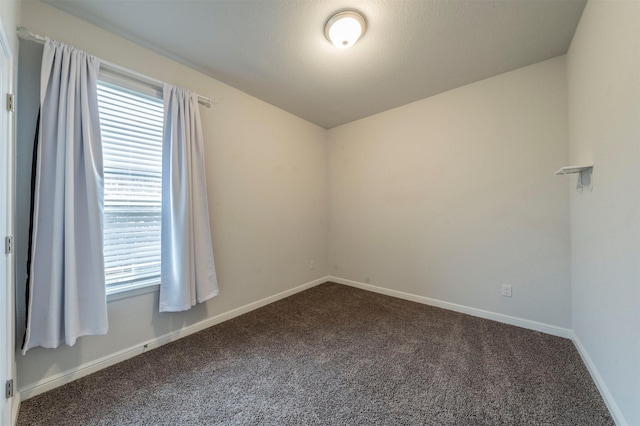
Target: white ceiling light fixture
(344,28)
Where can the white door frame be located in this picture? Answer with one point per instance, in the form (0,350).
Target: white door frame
(8,407)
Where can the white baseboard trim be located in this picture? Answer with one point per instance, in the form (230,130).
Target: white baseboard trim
(615,412)
(15,407)
(33,389)
(507,319)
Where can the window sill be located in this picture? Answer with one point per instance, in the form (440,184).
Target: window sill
(131,292)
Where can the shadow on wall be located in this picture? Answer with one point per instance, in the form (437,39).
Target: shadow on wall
(29,61)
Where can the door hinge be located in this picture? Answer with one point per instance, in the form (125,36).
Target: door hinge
(9,389)
(10,102)
(8,245)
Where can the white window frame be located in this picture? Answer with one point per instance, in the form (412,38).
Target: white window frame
(136,83)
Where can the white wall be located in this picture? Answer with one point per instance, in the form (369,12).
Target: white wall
(266,180)
(603,69)
(452,196)
(10,14)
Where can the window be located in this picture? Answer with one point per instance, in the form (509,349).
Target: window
(131,124)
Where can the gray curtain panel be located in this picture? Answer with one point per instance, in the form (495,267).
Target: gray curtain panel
(66,280)
(188,270)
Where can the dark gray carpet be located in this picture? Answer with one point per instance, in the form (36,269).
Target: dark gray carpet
(338,355)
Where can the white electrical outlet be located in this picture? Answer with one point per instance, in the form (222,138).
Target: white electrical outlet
(506,290)
(312,265)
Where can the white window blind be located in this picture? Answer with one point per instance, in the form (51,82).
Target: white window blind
(131,125)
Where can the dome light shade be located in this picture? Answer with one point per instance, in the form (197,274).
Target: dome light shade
(345,28)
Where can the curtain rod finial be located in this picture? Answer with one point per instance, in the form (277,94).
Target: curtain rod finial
(25,34)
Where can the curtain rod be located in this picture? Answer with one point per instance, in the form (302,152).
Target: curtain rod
(25,34)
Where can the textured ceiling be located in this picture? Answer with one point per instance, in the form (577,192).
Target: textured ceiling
(276,50)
